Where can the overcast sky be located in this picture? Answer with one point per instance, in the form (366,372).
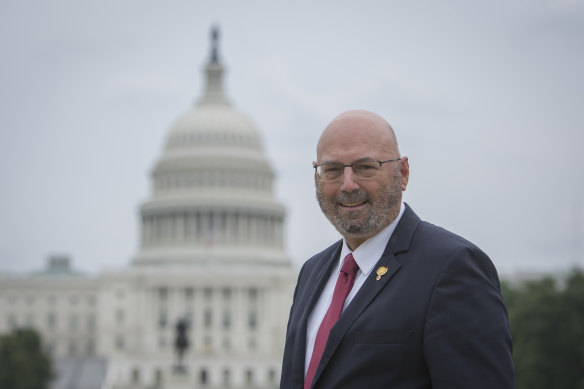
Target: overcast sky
(486,97)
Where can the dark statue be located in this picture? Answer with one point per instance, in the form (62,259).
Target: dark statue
(215,45)
(181,342)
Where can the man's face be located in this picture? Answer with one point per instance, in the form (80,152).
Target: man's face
(360,208)
(364,211)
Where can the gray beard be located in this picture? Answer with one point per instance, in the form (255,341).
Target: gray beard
(379,216)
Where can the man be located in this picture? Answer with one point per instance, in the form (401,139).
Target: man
(397,303)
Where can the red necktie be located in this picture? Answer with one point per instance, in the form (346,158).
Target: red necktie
(342,289)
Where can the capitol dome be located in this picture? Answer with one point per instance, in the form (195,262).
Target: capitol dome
(212,189)
(212,126)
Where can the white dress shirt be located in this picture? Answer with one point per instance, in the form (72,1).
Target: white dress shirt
(366,256)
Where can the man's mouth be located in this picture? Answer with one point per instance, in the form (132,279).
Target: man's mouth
(353,205)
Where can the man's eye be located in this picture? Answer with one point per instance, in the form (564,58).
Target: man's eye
(330,170)
(365,167)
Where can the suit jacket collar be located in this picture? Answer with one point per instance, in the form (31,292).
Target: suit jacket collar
(328,259)
(401,238)
(399,241)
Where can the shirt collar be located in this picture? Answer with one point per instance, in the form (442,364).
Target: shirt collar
(369,252)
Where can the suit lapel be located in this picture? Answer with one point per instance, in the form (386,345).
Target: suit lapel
(398,242)
(320,281)
(308,302)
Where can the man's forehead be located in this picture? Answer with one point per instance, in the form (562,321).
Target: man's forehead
(350,136)
(356,134)
(357,124)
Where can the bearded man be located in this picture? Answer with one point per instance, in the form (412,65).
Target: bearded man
(397,303)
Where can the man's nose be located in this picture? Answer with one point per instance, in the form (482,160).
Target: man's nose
(349,181)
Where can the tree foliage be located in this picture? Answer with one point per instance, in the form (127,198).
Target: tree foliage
(547,325)
(23,362)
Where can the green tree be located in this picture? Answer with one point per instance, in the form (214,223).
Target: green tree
(547,324)
(23,362)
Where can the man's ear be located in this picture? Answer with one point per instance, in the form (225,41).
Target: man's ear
(404,169)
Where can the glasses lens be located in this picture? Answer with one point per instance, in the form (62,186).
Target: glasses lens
(334,171)
(366,169)
(330,171)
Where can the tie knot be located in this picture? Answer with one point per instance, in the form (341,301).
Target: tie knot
(350,267)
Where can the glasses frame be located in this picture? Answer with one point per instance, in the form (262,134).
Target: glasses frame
(316,165)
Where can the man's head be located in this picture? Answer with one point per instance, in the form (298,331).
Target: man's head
(360,207)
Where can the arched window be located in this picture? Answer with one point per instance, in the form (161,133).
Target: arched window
(158,377)
(203,377)
(135,376)
(249,377)
(272,377)
(226,378)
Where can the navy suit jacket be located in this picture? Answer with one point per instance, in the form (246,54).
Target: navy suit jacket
(435,320)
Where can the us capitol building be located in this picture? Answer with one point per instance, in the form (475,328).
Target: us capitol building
(211,272)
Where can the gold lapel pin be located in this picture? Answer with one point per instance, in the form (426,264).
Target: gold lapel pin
(380,272)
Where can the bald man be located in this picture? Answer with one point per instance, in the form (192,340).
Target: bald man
(397,303)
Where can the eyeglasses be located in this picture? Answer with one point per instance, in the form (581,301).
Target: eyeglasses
(333,171)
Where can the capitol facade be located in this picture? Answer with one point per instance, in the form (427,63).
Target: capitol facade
(210,274)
